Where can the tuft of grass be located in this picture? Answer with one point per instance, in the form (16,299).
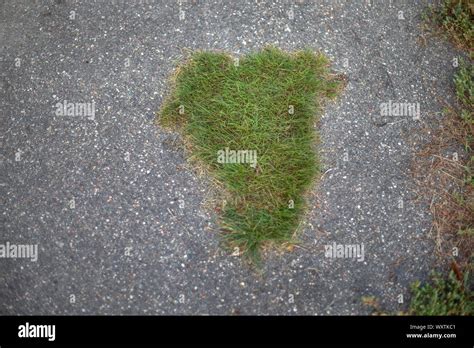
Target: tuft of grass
(455,19)
(464,83)
(444,297)
(268,102)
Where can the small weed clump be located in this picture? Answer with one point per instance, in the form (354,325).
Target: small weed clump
(449,296)
(454,19)
(443,296)
(464,83)
(250,124)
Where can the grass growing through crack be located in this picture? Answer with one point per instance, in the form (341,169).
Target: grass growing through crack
(267,102)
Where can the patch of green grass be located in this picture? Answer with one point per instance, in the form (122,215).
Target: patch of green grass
(267,102)
(464,83)
(456,19)
(442,297)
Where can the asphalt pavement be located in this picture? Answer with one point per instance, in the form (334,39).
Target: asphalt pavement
(120,220)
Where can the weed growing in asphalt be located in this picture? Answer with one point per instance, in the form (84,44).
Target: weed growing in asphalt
(250,123)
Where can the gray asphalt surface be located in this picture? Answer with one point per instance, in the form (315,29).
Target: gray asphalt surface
(126,246)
